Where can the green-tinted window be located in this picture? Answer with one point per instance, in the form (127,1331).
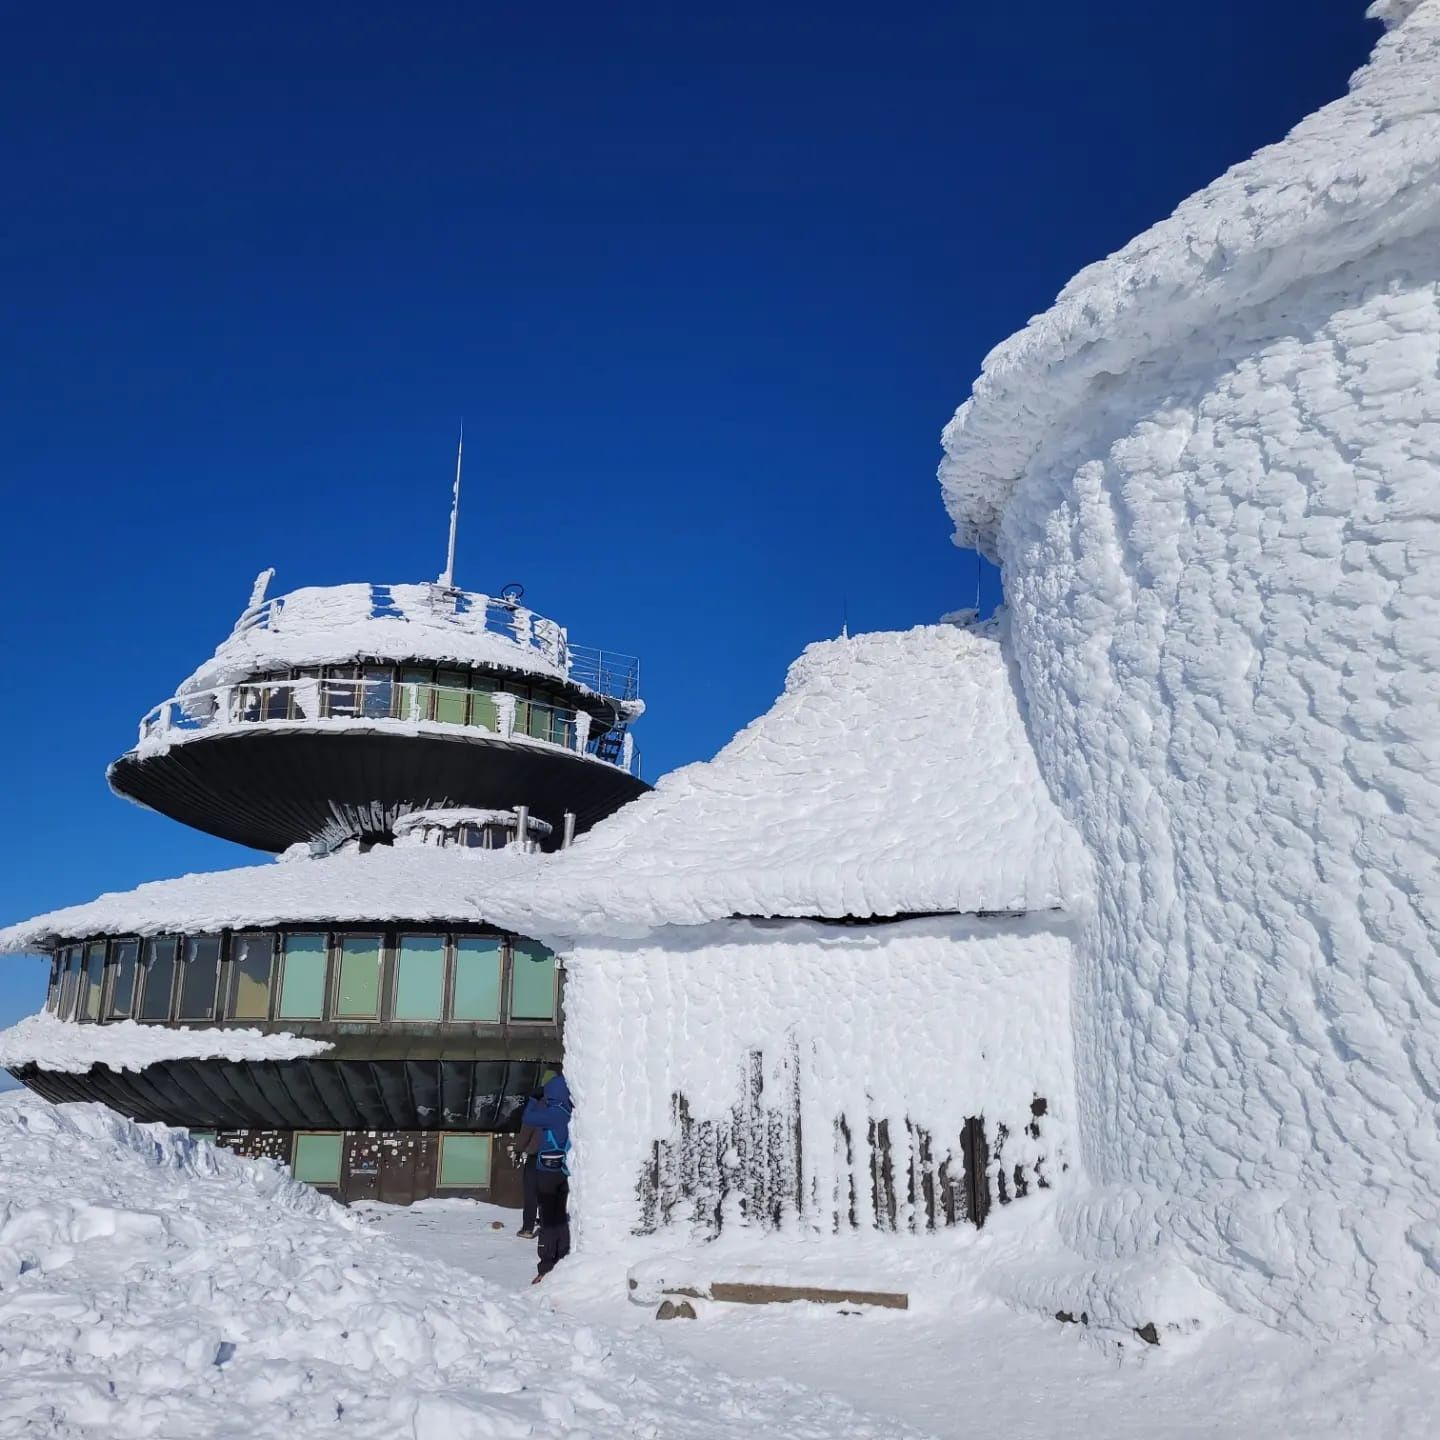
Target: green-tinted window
(302,983)
(420,977)
(482,709)
(317,1158)
(198,977)
(465,1161)
(94,979)
(159,978)
(477,978)
(452,693)
(532,981)
(124,964)
(358,996)
(417,694)
(251,957)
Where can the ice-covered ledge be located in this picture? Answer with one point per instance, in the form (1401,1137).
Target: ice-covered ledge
(123,1045)
(1302,207)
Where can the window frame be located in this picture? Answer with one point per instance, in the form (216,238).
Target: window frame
(84,988)
(299,1135)
(401,936)
(229,1009)
(174,938)
(335,975)
(445,1135)
(112,974)
(278,1003)
(452,976)
(509,1007)
(182,964)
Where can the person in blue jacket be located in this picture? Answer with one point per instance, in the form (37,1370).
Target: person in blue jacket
(552,1171)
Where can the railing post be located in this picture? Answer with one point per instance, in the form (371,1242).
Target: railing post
(505,714)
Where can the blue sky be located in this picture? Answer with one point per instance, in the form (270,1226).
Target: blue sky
(704,281)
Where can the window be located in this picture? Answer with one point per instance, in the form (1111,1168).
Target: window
(477,978)
(452,693)
(420,977)
(483,711)
(124,964)
(417,694)
(465,1162)
(532,981)
(251,958)
(358,989)
(317,1157)
(302,982)
(338,692)
(376,692)
(69,982)
(91,982)
(198,978)
(52,993)
(159,978)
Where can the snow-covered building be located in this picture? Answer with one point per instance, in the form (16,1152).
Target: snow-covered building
(822,980)
(352,1010)
(1211,473)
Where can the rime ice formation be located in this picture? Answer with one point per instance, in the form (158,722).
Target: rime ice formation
(736,1068)
(892,777)
(1212,474)
(411,882)
(73,1049)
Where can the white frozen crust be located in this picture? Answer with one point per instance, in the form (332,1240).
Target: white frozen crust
(422,883)
(1362,170)
(154,1284)
(893,776)
(62,1045)
(332,625)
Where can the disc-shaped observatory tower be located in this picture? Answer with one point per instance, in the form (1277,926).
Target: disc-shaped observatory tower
(389,739)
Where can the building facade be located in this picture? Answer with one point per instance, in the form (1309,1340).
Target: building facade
(399,746)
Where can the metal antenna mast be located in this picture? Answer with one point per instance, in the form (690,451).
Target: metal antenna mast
(447,576)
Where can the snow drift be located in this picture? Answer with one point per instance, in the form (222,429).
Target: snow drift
(1212,473)
(153,1285)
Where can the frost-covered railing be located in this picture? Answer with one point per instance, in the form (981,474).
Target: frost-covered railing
(606,672)
(385,701)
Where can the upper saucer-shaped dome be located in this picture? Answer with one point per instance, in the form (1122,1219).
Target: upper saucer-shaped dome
(334,624)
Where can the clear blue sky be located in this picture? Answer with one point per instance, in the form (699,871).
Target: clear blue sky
(704,280)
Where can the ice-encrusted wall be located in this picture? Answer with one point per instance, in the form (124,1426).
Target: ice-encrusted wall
(1219,519)
(1226,604)
(702,1047)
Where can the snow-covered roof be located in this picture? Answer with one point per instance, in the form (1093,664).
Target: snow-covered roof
(336,624)
(422,883)
(1362,170)
(893,776)
(73,1049)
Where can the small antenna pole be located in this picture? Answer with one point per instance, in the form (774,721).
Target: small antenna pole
(447,576)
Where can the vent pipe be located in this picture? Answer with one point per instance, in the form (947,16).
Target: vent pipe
(522,827)
(567,834)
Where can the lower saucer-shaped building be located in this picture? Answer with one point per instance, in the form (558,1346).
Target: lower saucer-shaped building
(347,1008)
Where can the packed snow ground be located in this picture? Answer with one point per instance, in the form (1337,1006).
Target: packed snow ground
(154,1286)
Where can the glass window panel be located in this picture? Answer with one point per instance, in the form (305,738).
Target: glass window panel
(251,957)
(465,1161)
(124,962)
(317,1158)
(532,981)
(359,989)
(420,977)
(69,982)
(52,993)
(198,977)
(482,710)
(92,980)
(377,691)
(417,694)
(477,978)
(158,978)
(338,691)
(302,985)
(452,694)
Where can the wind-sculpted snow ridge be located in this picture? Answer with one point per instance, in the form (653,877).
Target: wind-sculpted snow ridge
(1363,171)
(893,776)
(1212,473)
(403,882)
(151,1284)
(73,1049)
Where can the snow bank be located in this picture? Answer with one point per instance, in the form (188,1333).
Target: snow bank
(1362,172)
(422,883)
(893,776)
(1212,472)
(818,1077)
(154,1285)
(336,624)
(58,1045)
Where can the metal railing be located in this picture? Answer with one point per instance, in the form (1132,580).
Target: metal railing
(384,700)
